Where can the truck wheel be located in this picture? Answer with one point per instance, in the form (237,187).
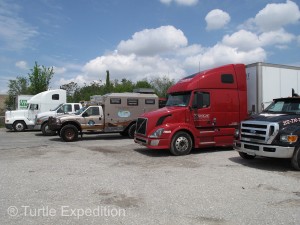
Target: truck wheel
(181,143)
(296,159)
(246,156)
(19,126)
(46,131)
(131,130)
(69,133)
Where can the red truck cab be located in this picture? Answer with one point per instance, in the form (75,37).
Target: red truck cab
(202,110)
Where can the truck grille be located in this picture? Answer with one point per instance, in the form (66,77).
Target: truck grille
(258,131)
(141,126)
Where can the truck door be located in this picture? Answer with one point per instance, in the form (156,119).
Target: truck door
(93,118)
(214,117)
(33,110)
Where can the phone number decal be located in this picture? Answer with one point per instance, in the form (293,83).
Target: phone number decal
(291,121)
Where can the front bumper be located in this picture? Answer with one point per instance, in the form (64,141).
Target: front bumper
(38,127)
(152,143)
(272,151)
(9,126)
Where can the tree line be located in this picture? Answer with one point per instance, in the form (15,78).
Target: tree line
(39,78)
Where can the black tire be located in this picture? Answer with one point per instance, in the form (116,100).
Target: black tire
(181,144)
(131,130)
(124,133)
(246,156)
(19,126)
(69,133)
(295,161)
(46,131)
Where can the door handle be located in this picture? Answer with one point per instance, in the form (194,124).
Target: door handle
(214,121)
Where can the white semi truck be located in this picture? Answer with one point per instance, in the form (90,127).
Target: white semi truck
(20,120)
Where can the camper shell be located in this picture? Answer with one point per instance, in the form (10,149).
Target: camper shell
(110,113)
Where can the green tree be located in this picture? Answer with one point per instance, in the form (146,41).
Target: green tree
(19,86)
(161,85)
(124,86)
(40,78)
(71,89)
(108,85)
(142,84)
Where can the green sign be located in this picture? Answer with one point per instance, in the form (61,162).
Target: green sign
(23,104)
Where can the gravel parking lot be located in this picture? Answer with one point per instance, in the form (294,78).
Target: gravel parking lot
(106,179)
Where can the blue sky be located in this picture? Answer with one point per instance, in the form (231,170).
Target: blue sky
(137,39)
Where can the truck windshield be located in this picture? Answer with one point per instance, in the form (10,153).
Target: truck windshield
(56,107)
(284,106)
(78,112)
(178,99)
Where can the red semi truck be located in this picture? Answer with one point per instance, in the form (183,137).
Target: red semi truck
(202,110)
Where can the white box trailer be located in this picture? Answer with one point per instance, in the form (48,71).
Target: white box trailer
(267,81)
(21,101)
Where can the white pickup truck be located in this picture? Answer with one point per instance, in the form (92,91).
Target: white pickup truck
(41,122)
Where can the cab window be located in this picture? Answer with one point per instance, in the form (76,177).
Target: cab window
(201,100)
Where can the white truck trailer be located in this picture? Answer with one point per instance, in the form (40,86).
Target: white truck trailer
(20,120)
(21,101)
(266,82)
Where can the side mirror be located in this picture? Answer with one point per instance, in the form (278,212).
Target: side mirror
(84,114)
(194,106)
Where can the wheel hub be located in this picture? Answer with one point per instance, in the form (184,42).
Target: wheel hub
(181,144)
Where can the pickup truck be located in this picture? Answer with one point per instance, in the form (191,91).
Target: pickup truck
(88,120)
(273,133)
(41,121)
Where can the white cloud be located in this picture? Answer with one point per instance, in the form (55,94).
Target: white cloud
(59,70)
(276,37)
(15,32)
(221,54)
(274,16)
(180,2)
(216,19)
(298,40)
(131,67)
(190,50)
(79,79)
(22,65)
(242,40)
(153,41)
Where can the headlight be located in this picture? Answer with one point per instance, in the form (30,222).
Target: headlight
(157,133)
(237,133)
(288,138)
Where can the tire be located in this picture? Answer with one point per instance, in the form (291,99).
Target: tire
(19,126)
(246,156)
(69,133)
(295,161)
(46,131)
(181,144)
(131,130)
(124,133)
